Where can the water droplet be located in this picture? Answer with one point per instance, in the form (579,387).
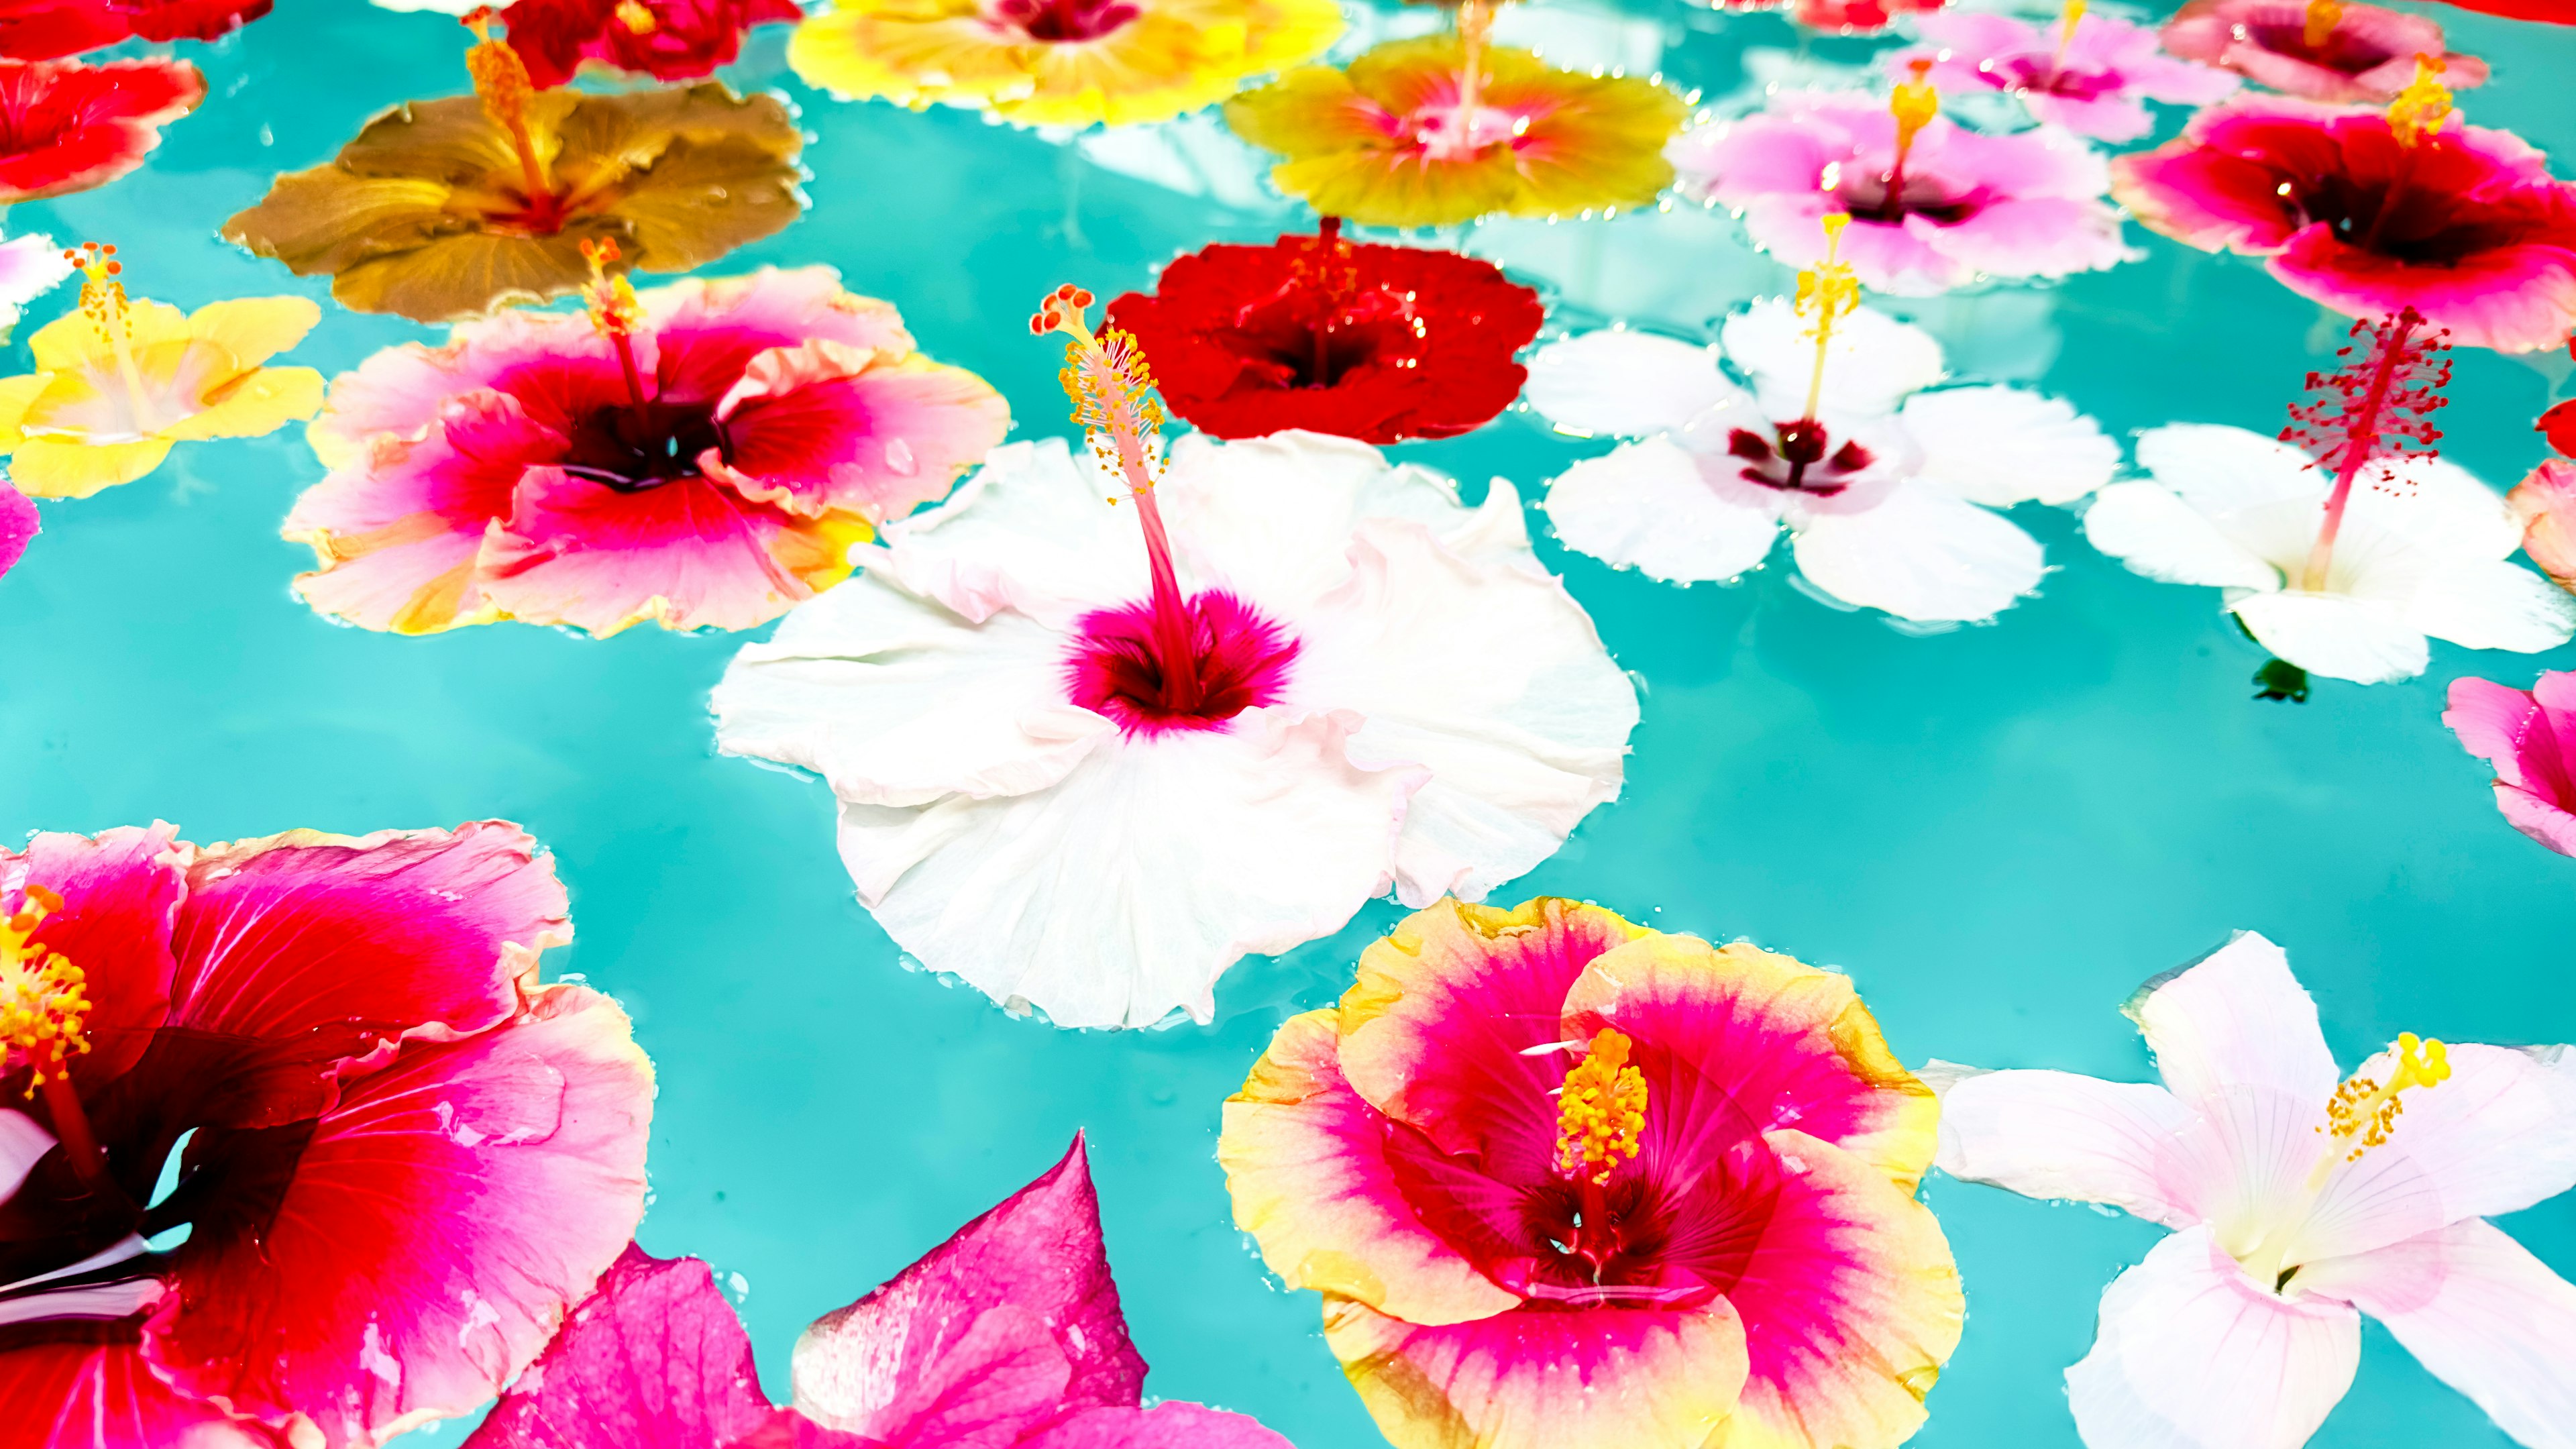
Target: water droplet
(899,457)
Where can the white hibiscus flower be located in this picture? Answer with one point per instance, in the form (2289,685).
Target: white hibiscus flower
(2423,550)
(1884,488)
(1398,695)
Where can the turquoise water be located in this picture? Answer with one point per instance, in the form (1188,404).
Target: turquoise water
(1998,831)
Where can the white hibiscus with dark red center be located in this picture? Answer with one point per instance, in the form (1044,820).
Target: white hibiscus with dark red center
(1884,482)
(1385,690)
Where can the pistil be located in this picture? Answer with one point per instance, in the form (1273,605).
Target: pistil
(44,1014)
(1827,292)
(2067,20)
(2364,1111)
(501,81)
(2323,17)
(103,302)
(1113,403)
(615,312)
(2369,410)
(1336,278)
(1475,28)
(1600,1117)
(1914,103)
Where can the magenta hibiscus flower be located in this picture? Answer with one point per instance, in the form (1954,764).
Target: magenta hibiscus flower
(665,39)
(1932,204)
(1567,1182)
(2530,738)
(2095,78)
(398,1158)
(2371,214)
(1007,1336)
(702,455)
(18,525)
(2318,50)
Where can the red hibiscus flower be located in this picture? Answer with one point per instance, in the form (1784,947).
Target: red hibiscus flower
(67,127)
(397,1159)
(44,29)
(1377,343)
(667,39)
(1848,16)
(2554,12)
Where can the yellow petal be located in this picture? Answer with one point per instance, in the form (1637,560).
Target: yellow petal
(255,329)
(17,394)
(255,405)
(72,340)
(43,468)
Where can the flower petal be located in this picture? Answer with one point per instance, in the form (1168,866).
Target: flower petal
(1031,530)
(2494,606)
(2065,1137)
(103,1396)
(1625,383)
(2336,635)
(46,468)
(1646,506)
(2526,739)
(2260,491)
(1305,1162)
(2235,1018)
(2193,1352)
(2000,445)
(19,525)
(121,895)
(1164,1426)
(1871,365)
(1921,553)
(2155,532)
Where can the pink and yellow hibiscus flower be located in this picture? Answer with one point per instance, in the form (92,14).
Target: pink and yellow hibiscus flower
(1704,1231)
(702,455)
(398,1158)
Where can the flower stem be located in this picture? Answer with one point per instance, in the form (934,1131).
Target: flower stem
(2360,431)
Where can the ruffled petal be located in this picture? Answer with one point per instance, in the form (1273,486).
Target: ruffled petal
(2523,739)
(121,893)
(430,1235)
(1921,553)
(2336,635)
(2151,529)
(1646,506)
(1872,364)
(2064,1137)
(103,1396)
(1305,1163)
(1619,1378)
(2193,1352)
(1031,530)
(1628,384)
(2000,446)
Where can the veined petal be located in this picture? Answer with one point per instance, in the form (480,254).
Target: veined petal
(121,893)
(1625,383)
(2001,445)
(1922,552)
(103,1396)
(1871,365)
(2261,492)
(1031,530)
(2059,1136)
(255,329)
(1645,505)
(1164,1426)
(254,405)
(48,468)
(2235,1018)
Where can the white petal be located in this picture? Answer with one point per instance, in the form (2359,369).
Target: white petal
(2497,1137)
(1122,893)
(1627,384)
(897,701)
(2192,1354)
(1491,677)
(2235,1018)
(2409,522)
(1921,553)
(2001,446)
(2483,1314)
(2058,1135)
(2493,605)
(2337,635)
(1033,530)
(2151,529)
(1645,506)
(23,1143)
(1871,364)
(2261,492)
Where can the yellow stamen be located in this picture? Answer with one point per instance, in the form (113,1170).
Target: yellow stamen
(1111,387)
(501,82)
(1827,292)
(1914,103)
(2364,1112)
(1601,1112)
(2424,106)
(611,301)
(636,19)
(2323,17)
(44,998)
(2067,20)
(103,302)
(1475,27)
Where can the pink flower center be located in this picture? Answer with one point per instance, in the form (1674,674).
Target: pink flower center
(2343,52)
(1803,459)
(2042,75)
(1455,132)
(1241,660)
(1064,21)
(632,448)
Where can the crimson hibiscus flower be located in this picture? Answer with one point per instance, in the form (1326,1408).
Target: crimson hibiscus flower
(1378,343)
(67,127)
(44,29)
(387,1160)
(667,39)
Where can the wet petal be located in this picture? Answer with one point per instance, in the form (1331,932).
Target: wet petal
(2000,446)
(103,1396)
(2151,529)
(2338,636)
(1625,383)
(1873,363)
(1646,506)
(121,893)
(2235,1018)
(1921,553)
(2064,1137)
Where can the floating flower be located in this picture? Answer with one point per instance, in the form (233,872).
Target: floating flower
(2530,738)
(1566,1181)
(667,39)
(1933,205)
(2545,502)
(117,383)
(1328,676)
(446,209)
(1884,487)
(1057,62)
(1446,128)
(2548,12)
(1378,343)
(702,455)
(18,525)
(30,266)
(46,29)
(2369,213)
(405,1158)
(1843,16)
(2298,1203)
(1008,1334)
(2341,52)
(67,127)
(2341,554)
(2091,74)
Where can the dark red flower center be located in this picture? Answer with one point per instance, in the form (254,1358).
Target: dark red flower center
(2042,75)
(1802,458)
(1065,21)
(2343,52)
(1867,198)
(632,448)
(1242,658)
(2412,211)
(1298,339)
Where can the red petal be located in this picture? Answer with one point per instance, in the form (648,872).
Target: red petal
(101,1396)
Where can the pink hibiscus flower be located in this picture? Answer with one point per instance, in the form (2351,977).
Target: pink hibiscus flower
(2545,502)
(67,127)
(1932,204)
(2094,80)
(702,455)
(666,39)
(2317,50)
(403,1158)
(1007,1336)
(1564,1181)
(2370,214)
(2530,738)
(1846,16)
(18,525)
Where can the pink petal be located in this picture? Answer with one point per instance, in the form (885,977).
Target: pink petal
(2060,1136)
(2511,298)
(2236,1019)
(2529,746)
(826,425)
(18,525)
(429,1237)
(102,1396)
(1035,1266)
(1164,1426)
(690,553)
(120,894)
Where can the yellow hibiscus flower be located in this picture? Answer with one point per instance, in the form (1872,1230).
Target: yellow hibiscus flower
(1445,128)
(118,382)
(1058,62)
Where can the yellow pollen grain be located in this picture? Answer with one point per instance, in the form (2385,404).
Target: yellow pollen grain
(636,19)
(1827,292)
(2424,106)
(2365,1111)
(1601,1111)
(44,998)
(2322,19)
(1914,103)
